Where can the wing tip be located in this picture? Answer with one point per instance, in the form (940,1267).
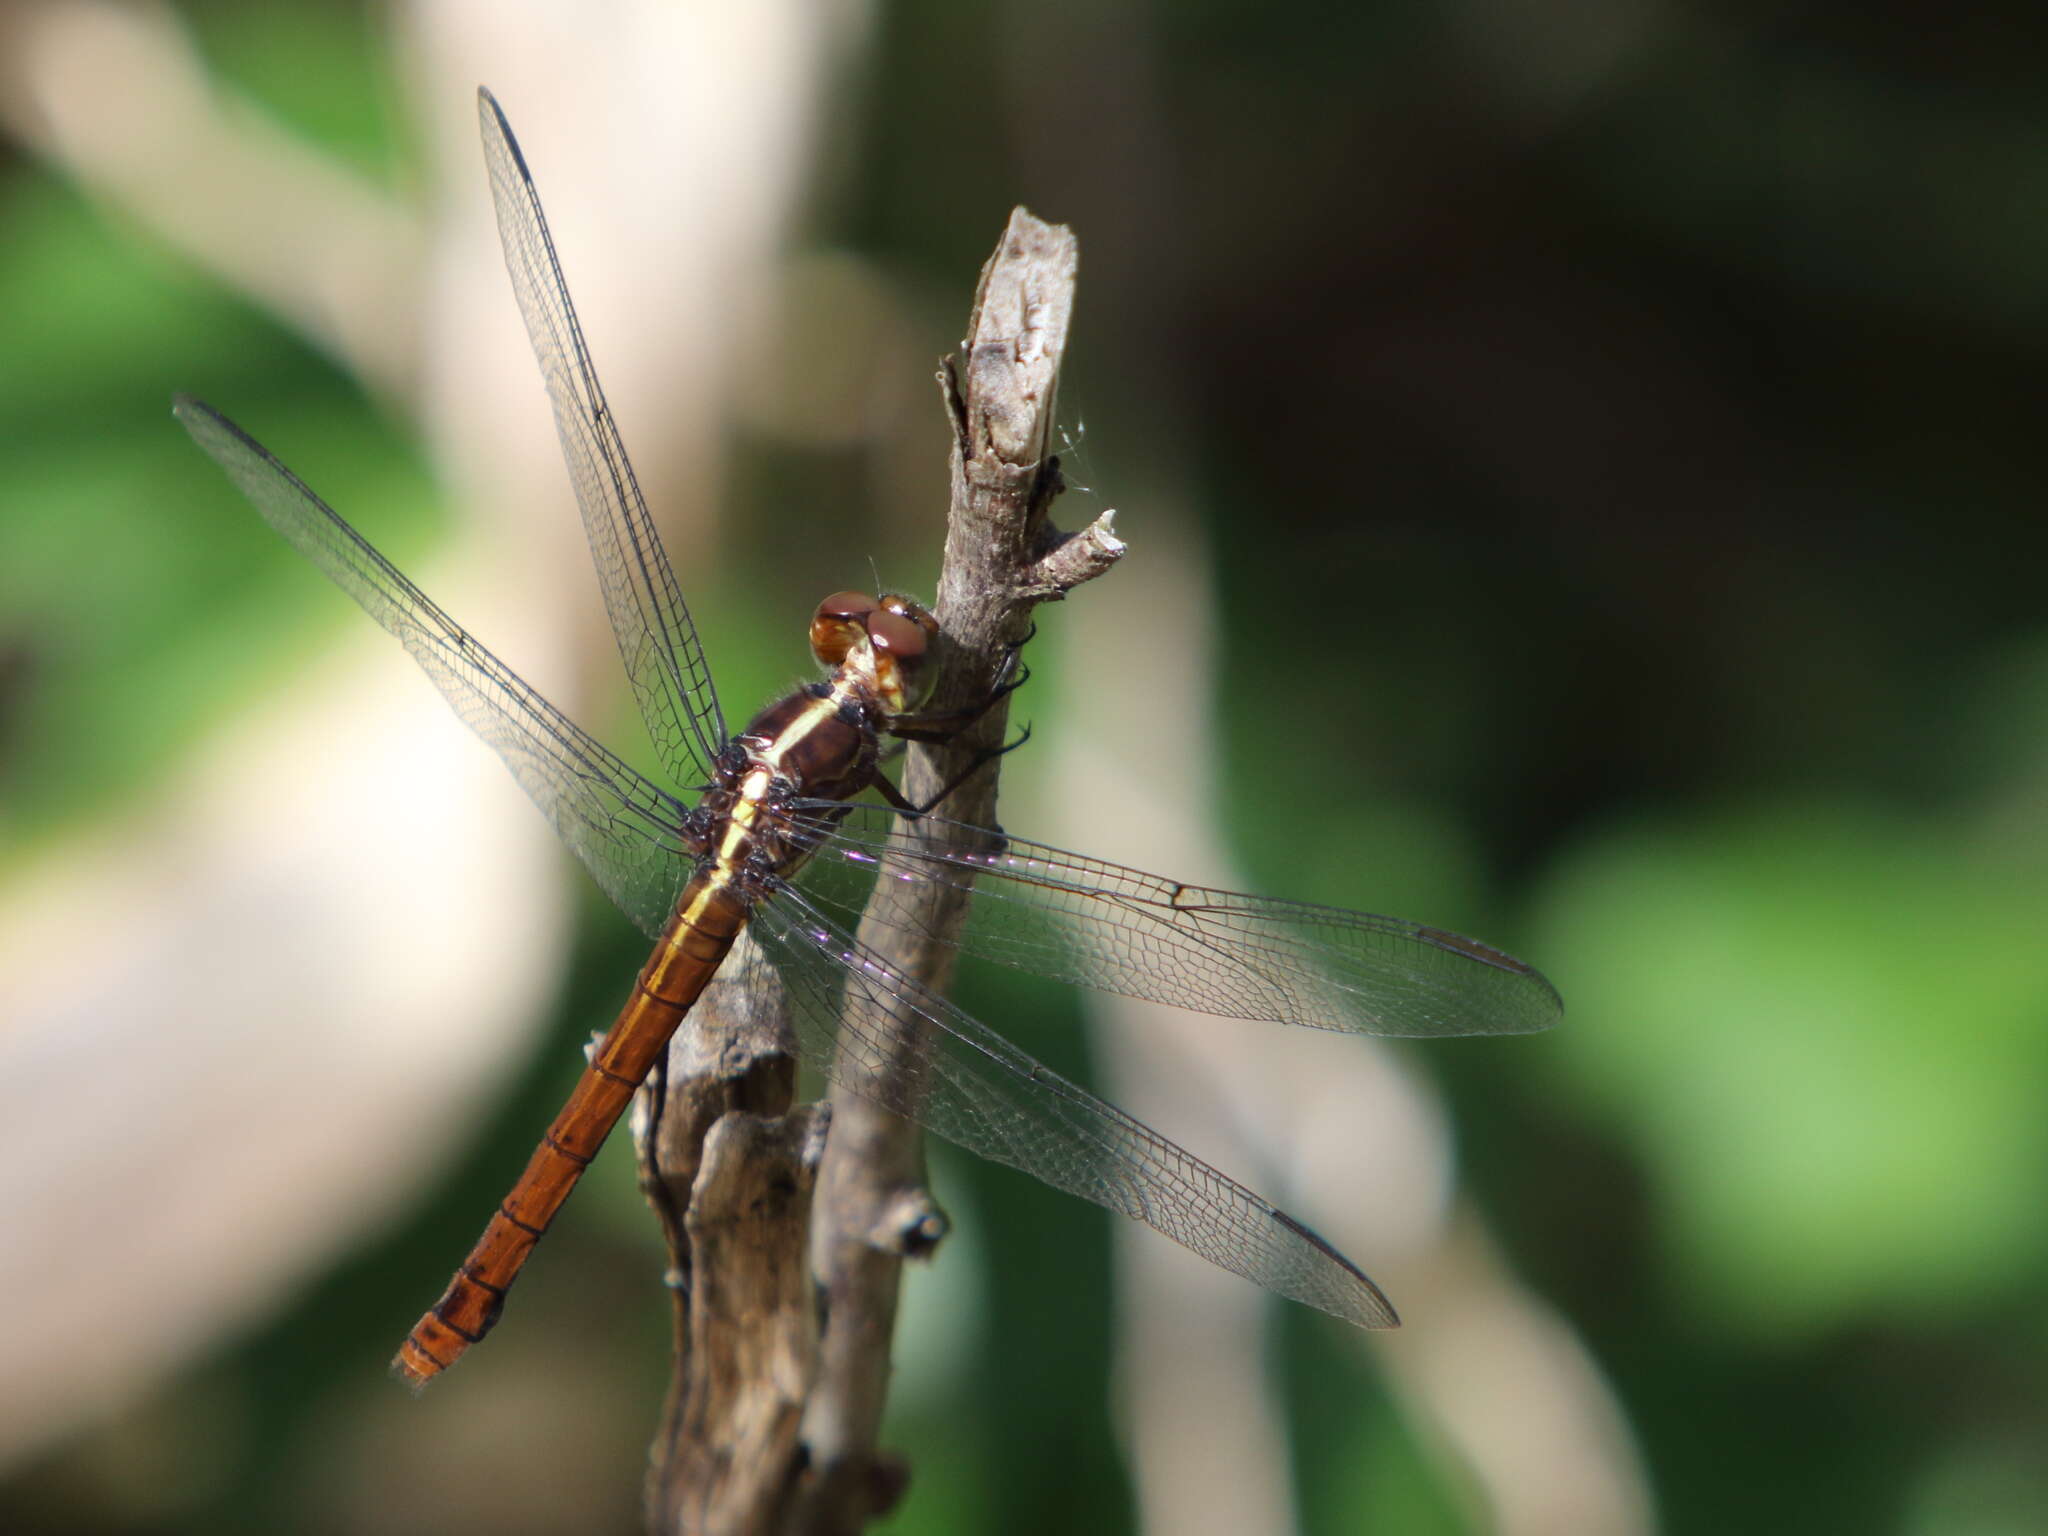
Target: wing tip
(494,120)
(1520,1021)
(1369,1310)
(189,410)
(212,430)
(208,427)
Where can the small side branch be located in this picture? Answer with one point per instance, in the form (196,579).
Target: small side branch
(1079,557)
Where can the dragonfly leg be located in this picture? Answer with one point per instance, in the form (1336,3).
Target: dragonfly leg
(905,807)
(1010,676)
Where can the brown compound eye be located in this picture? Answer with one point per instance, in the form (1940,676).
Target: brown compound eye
(897,636)
(902,640)
(839,625)
(910,608)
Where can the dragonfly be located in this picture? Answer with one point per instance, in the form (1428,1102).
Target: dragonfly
(769,837)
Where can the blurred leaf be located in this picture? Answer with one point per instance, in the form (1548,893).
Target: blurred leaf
(323,69)
(95,318)
(1981,1489)
(1822,1027)
(139,596)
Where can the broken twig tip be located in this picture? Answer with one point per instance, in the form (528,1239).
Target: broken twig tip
(911,1225)
(1079,557)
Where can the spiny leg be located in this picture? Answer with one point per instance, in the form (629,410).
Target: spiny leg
(909,808)
(939,728)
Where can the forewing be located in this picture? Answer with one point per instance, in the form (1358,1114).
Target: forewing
(1101,925)
(625,830)
(980,1092)
(657,640)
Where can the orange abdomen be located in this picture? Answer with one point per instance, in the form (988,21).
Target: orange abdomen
(708,919)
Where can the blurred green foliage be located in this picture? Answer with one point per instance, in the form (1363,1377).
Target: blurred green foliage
(1820,1026)
(128,590)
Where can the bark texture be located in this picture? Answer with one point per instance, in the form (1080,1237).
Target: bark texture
(782,1361)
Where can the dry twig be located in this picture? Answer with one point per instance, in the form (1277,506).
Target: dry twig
(727,1444)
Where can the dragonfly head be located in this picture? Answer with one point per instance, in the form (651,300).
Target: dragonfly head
(887,641)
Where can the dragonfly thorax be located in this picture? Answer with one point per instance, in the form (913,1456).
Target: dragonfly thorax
(818,743)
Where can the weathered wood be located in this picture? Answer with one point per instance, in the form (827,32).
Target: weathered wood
(1002,558)
(729,1167)
(778,1392)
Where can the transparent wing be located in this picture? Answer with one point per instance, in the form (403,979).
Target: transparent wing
(663,656)
(625,830)
(980,1092)
(1120,930)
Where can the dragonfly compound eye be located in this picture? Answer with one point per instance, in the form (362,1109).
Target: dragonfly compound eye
(901,642)
(910,608)
(838,626)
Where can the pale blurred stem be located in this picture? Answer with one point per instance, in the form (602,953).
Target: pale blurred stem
(1002,558)
(115,98)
